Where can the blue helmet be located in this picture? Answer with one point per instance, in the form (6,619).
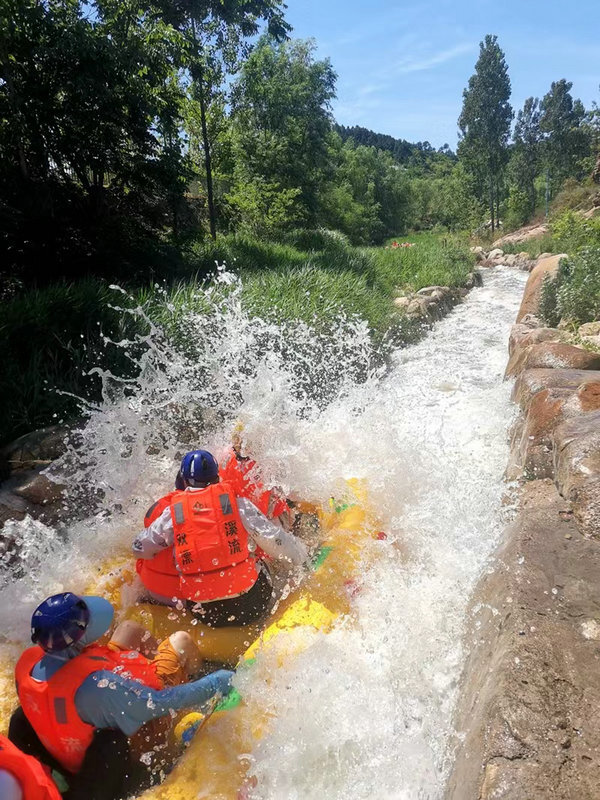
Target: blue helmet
(199,468)
(59,622)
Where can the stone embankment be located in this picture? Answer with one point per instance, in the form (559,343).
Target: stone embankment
(496,257)
(434,302)
(528,718)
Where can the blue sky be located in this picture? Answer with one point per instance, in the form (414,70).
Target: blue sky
(402,66)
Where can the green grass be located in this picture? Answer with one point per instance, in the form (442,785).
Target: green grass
(52,336)
(435,260)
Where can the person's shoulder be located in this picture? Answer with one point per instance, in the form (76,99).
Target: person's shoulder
(159,506)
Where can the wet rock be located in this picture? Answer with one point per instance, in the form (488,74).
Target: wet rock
(577,469)
(532,441)
(35,448)
(533,289)
(524,334)
(474,279)
(12,507)
(38,489)
(552,355)
(417,307)
(495,254)
(429,291)
(527,718)
(532,381)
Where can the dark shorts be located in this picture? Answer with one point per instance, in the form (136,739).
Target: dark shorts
(242,610)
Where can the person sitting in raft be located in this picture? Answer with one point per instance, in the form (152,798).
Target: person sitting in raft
(81,701)
(23,777)
(238,469)
(199,546)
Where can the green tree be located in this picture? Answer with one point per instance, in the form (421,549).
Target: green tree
(90,152)
(525,163)
(282,120)
(485,121)
(218,34)
(566,140)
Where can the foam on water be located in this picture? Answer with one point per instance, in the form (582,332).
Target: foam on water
(365,711)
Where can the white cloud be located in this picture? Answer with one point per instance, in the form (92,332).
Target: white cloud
(413,64)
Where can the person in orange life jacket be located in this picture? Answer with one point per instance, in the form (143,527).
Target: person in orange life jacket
(238,469)
(81,701)
(23,777)
(199,544)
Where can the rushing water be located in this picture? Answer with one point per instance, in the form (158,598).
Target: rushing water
(365,711)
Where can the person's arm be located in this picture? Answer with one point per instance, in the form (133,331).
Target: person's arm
(156,537)
(9,786)
(108,700)
(273,539)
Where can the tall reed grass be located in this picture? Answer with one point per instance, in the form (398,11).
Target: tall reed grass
(51,337)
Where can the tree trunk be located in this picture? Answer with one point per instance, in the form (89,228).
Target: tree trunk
(212,217)
(497,206)
(199,86)
(492,203)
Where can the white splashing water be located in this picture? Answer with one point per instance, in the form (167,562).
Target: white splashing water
(365,711)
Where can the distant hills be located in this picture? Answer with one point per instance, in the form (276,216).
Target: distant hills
(406,153)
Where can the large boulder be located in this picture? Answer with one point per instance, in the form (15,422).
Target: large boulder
(528,716)
(25,490)
(577,469)
(523,335)
(533,289)
(532,440)
(552,355)
(37,488)
(35,448)
(532,381)
(522,235)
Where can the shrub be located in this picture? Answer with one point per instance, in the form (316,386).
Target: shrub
(518,208)
(571,231)
(49,339)
(574,294)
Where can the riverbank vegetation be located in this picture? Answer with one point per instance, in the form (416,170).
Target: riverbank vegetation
(52,336)
(142,143)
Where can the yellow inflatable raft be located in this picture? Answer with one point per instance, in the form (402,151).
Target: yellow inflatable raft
(207,751)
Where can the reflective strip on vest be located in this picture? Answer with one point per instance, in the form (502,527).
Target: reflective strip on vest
(179,514)
(60,710)
(225,502)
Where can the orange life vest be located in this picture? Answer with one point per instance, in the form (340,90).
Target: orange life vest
(50,705)
(33,777)
(210,559)
(237,472)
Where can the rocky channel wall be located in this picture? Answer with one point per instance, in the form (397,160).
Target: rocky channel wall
(528,717)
